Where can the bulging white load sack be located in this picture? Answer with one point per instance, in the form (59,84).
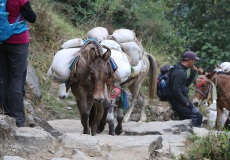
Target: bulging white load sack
(99,33)
(225,66)
(138,68)
(60,65)
(111,44)
(133,50)
(123,35)
(124,67)
(72,43)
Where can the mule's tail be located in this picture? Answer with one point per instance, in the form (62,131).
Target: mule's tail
(152,76)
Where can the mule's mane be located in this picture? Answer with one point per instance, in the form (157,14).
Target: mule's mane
(93,42)
(223,73)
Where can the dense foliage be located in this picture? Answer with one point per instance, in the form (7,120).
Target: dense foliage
(215,146)
(201,26)
(145,17)
(205,27)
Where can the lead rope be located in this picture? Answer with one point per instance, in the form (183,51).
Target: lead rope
(214,94)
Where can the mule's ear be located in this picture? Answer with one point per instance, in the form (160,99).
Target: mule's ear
(200,71)
(107,55)
(209,75)
(92,54)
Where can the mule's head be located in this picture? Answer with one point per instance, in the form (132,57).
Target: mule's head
(99,74)
(203,88)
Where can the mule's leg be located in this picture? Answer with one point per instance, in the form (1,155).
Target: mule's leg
(129,112)
(111,128)
(103,121)
(134,89)
(84,112)
(218,117)
(84,122)
(120,116)
(99,111)
(142,103)
(110,119)
(91,116)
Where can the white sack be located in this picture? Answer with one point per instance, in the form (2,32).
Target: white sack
(139,67)
(111,44)
(99,33)
(123,35)
(60,65)
(225,66)
(124,67)
(72,43)
(133,50)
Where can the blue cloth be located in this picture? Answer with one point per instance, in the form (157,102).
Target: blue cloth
(7,29)
(124,104)
(72,61)
(91,39)
(113,64)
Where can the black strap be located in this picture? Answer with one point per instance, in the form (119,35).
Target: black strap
(1,88)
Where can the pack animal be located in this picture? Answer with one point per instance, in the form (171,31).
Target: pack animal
(89,84)
(134,85)
(203,91)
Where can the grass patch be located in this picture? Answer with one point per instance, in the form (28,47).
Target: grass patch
(215,146)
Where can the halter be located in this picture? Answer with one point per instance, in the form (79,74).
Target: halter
(200,83)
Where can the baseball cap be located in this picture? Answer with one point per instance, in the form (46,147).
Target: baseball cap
(190,55)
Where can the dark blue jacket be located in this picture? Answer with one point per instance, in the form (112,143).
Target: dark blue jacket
(179,84)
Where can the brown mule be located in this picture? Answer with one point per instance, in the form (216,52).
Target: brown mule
(203,91)
(89,82)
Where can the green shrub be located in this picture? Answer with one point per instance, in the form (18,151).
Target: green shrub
(216,146)
(204,25)
(146,18)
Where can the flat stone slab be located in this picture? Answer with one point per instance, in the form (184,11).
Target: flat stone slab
(133,143)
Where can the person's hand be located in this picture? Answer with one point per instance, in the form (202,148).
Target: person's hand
(194,68)
(189,105)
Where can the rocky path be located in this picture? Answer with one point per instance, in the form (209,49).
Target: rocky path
(139,141)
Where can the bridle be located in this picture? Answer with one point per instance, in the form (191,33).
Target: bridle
(201,82)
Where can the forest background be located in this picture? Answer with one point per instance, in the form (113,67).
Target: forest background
(166,29)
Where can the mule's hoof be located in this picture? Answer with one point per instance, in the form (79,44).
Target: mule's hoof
(93,133)
(100,129)
(112,134)
(118,131)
